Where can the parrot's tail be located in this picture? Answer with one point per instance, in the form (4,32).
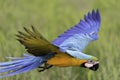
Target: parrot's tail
(20,64)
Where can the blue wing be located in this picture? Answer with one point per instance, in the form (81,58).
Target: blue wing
(74,40)
(80,35)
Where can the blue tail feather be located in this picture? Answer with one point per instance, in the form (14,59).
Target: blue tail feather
(20,65)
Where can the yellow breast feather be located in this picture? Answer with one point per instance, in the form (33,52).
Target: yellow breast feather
(64,60)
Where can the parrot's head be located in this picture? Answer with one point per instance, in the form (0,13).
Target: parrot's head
(91,64)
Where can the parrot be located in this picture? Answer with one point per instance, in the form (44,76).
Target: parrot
(65,51)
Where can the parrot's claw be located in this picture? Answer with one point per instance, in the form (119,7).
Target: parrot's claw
(41,70)
(49,66)
(46,66)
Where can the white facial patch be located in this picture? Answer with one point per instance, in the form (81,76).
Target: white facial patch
(88,65)
(91,63)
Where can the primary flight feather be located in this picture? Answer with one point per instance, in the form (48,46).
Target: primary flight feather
(64,51)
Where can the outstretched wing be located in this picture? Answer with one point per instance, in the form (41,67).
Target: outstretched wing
(80,35)
(35,43)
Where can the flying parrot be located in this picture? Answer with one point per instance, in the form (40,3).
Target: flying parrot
(66,50)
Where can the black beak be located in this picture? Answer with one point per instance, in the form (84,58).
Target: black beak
(94,67)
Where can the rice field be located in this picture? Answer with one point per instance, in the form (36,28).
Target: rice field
(53,17)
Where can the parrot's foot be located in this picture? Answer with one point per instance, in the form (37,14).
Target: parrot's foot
(46,66)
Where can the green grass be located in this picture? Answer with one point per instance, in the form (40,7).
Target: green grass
(53,17)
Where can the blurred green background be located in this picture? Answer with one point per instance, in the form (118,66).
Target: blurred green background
(53,17)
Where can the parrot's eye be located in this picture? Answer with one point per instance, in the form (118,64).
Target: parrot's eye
(91,61)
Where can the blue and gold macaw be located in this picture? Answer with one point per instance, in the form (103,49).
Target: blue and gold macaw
(64,51)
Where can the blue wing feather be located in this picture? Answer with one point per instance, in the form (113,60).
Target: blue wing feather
(87,27)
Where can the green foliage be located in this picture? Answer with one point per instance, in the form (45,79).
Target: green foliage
(53,17)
